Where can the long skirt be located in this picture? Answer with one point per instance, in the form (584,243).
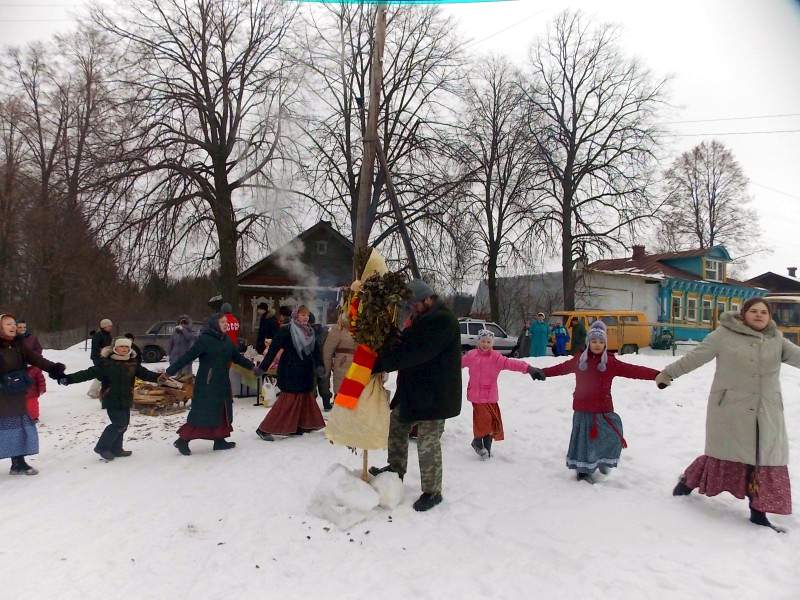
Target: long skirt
(596,441)
(487,420)
(293,413)
(767,487)
(189,432)
(18,437)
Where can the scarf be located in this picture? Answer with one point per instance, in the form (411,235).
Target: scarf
(212,326)
(302,337)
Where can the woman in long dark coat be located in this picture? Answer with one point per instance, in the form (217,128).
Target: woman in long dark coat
(211,413)
(296,410)
(18,435)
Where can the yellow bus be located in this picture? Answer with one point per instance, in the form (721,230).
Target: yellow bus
(786,314)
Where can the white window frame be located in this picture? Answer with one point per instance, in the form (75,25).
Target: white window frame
(689,301)
(672,316)
(710,303)
(717,267)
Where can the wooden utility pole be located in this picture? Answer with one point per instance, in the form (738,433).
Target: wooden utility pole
(370,138)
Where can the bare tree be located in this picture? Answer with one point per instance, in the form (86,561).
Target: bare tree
(421,73)
(208,82)
(495,144)
(707,202)
(594,113)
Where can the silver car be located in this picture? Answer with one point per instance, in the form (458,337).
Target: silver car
(503,342)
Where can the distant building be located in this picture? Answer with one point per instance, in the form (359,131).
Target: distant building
(777,284)
(311,269)
(685,291)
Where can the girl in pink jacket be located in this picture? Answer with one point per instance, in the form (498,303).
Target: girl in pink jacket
(484,366)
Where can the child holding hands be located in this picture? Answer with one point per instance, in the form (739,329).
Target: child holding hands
(485,364)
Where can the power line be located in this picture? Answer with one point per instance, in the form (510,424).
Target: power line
(771,189)
(496,33)
(772,116)
(713,133)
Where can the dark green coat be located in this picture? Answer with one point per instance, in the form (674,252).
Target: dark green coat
(212,388)
(118,378)
(428,362)
(578,335)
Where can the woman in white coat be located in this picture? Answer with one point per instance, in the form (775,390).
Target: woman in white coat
(746,449)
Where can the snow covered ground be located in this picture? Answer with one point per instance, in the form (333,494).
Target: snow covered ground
(236,524)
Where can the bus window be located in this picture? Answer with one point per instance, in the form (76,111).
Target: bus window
(610,321)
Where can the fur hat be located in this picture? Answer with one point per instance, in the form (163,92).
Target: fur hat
(597,331)
(420,290)
(105,323)
(123,341)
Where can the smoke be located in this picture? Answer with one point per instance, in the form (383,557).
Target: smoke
(290,259)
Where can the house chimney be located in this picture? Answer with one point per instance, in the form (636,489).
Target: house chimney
(638,252)
(792,271)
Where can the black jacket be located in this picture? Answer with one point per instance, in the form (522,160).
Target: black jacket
(267,328)
(118,377)
(295,374)
(428,362)
(101,339)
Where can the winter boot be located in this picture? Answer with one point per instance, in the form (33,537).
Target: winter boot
(375,471)
(587,477)
(106,455)
(222,444)
(477,445)
(26,468)
(182,446)
(264,436)
(487,443)
(760,518)
(604,470)
(681,489)
(427,501)
(122,453)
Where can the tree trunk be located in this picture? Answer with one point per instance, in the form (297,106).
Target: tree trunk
(227,239)
(491,283)
(567,274)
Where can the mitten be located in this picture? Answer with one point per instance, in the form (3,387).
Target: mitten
(663,380)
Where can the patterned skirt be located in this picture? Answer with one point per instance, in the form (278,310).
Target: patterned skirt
(292,413)
(596,441)
(487,420)
(767,487)
(18,437)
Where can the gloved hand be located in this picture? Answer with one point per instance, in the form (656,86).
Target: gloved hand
(536,373)
(63,381)
(320,371)
(663,380)
(57,372)
(259,372)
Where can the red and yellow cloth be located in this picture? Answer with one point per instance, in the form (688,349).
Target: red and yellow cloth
(357,377)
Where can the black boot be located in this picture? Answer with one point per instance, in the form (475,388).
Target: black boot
(487,443)
(106,455)
(222,444)
(760,518)
(477,445)
(264,436)
(427,501)
(122,453)
(182,446)
(587,477)
(20,467)
(681,489)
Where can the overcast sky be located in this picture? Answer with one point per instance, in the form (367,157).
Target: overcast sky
(728,59)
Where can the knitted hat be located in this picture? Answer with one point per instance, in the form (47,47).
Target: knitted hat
(106,323)
(263,306)
(420,290)
(123,341)
(597,331)
(226,308)
(485,334)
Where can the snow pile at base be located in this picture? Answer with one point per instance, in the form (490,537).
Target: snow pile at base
(389,488)
(343,498)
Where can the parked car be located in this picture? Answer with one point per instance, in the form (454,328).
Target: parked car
(155,342)
(503,342)
(628,330)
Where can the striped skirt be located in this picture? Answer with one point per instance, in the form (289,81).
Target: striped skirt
(18,437)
